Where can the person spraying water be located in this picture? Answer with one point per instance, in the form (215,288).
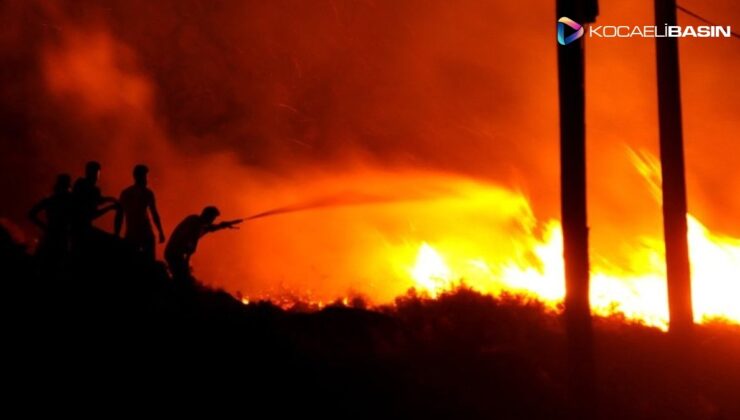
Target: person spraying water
(184,240)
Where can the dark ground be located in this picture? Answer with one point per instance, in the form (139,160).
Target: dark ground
(112,336)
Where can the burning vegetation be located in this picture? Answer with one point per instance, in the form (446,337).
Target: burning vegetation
(443,247)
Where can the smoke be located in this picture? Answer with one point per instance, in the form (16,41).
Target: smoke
(256,105)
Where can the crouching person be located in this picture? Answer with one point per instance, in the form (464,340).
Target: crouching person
(184,241)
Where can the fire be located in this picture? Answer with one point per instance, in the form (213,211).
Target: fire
(638,291)
(640,296)
(439,230)
(430,270)
(715,263)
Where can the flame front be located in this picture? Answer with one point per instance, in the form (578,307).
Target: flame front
(430,270)
(453,229)
(638,296)
(715,268)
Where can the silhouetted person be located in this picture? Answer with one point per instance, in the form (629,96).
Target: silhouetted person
(87,207)
(184,240)
(136,202)
(57,221)
(88,197)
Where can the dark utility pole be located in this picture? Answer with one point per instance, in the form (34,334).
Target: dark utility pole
(674,181)
(573,210)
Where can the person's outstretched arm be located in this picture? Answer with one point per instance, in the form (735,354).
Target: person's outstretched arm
(228,224)
(33,214)
(101,211)
(155,218)
(107,199)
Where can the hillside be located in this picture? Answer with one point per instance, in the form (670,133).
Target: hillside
(116,330)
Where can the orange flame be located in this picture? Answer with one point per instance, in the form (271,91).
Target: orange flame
(488,238)
(536,270)
(638,296)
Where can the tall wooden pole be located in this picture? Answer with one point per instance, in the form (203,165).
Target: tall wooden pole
(674,181)
(571,77)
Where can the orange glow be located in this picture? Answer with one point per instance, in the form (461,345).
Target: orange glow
(320,121)
(430,270)
(487,238)
(715,263)
(639,296)
(639,293)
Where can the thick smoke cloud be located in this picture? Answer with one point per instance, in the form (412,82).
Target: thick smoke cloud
(419,83)
(240,103)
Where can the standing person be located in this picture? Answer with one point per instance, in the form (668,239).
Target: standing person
(184,240)
(87,201)
(136,202)
(88,198)
(56,224)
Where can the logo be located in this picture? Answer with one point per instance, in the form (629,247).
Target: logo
(562,22)
(624,31)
